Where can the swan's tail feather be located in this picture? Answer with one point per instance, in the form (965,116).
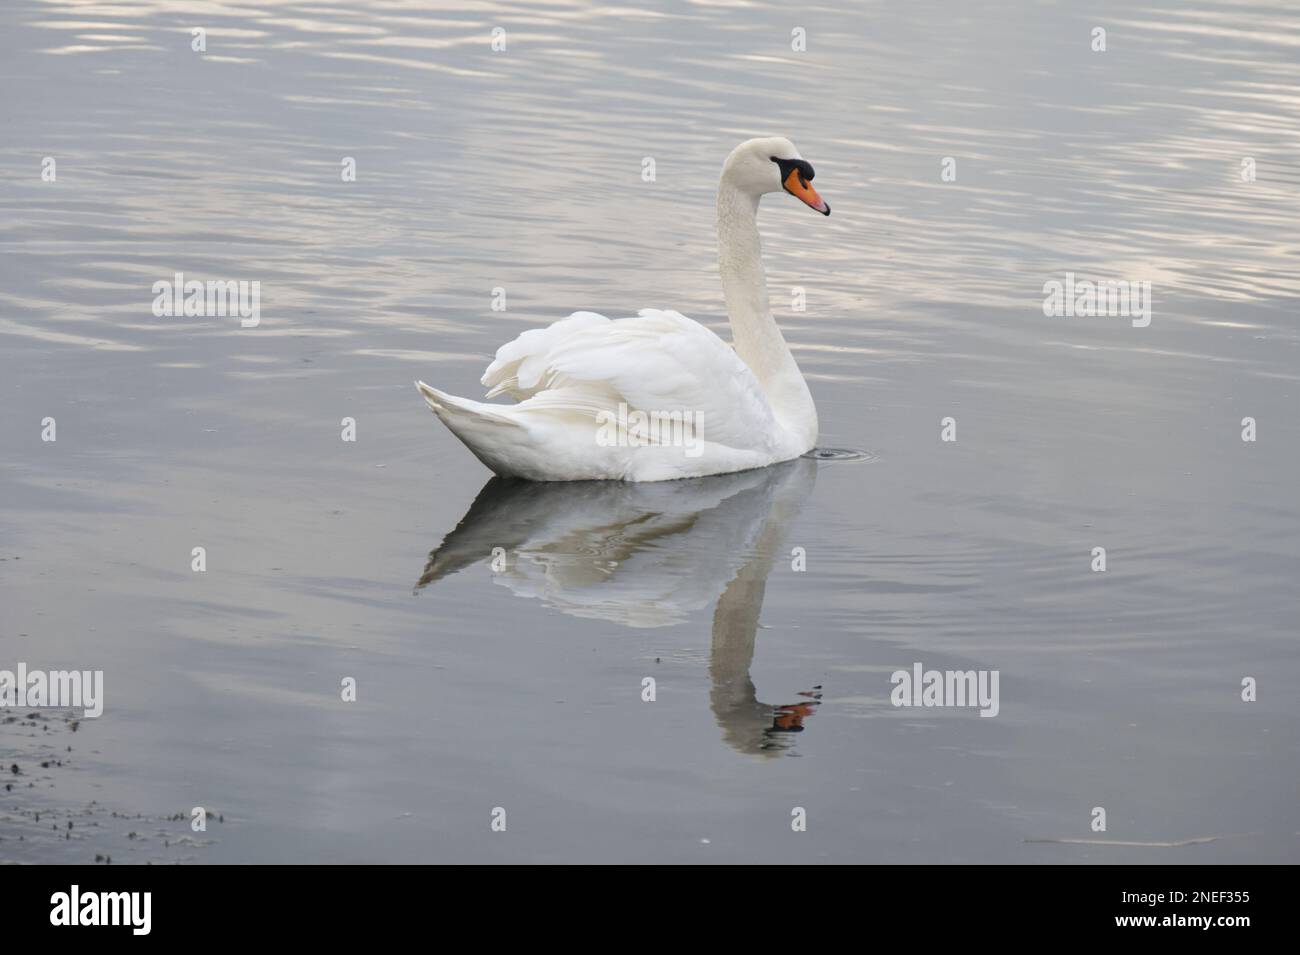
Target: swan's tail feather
(460,414)
(437,400)
(452,408)
(481,427)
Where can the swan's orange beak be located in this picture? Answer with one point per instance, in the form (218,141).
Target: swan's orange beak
(801,189)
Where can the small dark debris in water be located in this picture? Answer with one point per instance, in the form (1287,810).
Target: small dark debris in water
(94,827)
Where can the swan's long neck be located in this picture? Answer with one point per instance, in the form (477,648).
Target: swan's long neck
(758,340)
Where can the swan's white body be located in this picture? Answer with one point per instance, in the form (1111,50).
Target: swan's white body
(579,379)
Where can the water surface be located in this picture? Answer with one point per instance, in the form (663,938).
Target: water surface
(520,686)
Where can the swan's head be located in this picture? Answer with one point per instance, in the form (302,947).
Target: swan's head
(772,164)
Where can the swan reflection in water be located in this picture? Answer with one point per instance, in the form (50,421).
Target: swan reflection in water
(647,555)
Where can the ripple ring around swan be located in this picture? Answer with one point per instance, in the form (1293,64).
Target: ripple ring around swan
(839,454)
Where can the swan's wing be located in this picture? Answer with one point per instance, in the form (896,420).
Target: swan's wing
(660,361)
(520,369)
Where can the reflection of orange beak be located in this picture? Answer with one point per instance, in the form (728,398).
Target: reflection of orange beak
(790,717)
(800,188)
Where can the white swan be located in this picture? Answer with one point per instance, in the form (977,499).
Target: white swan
(658,396)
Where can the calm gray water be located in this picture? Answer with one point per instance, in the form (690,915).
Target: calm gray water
(521,687)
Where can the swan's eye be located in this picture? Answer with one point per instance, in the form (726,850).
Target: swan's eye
(802,166)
